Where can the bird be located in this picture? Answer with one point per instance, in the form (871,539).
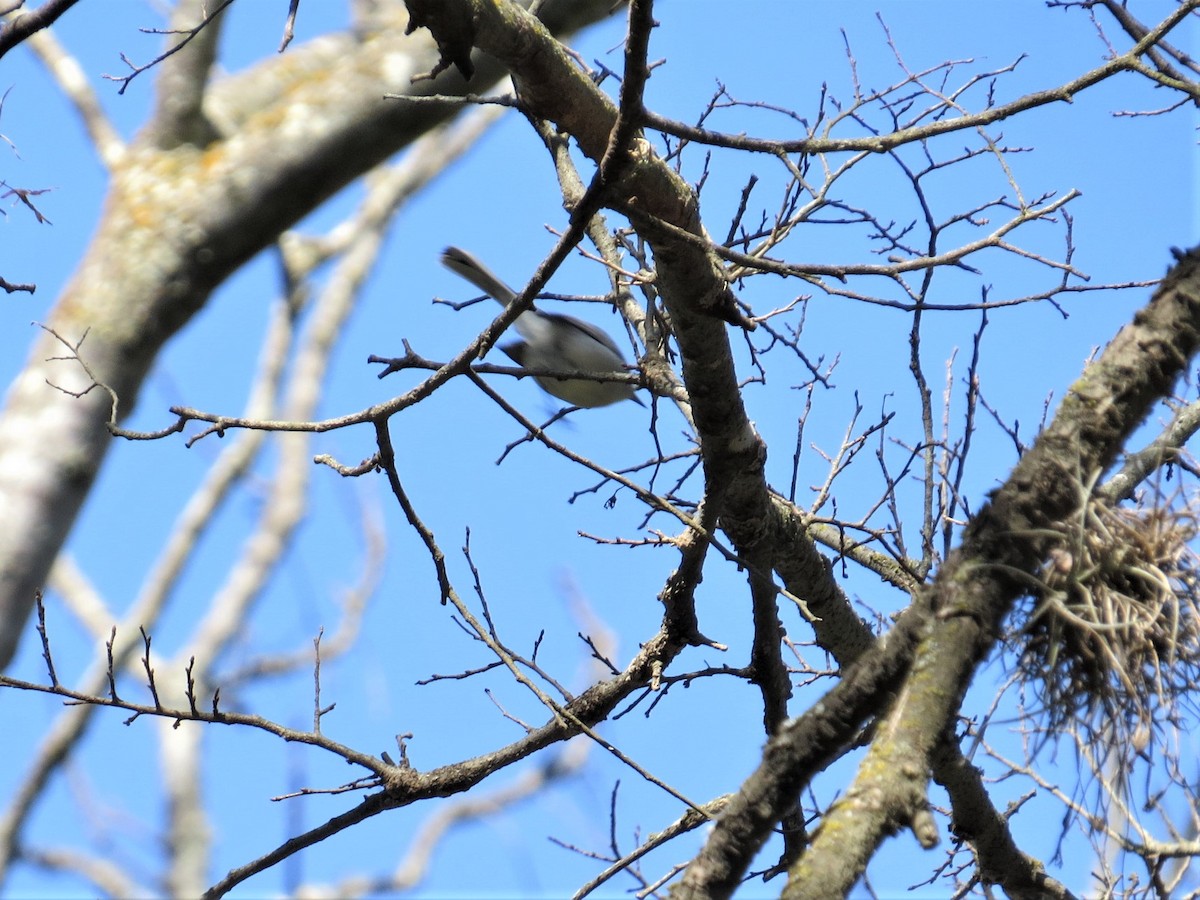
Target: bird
(552,341)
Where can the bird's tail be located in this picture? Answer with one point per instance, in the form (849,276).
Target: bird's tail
(463,264)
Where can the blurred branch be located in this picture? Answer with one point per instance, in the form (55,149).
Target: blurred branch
(73,82)
(357,241)
(353,603)
(103,874)
(415,863)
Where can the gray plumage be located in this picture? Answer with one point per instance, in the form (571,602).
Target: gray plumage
(552,341)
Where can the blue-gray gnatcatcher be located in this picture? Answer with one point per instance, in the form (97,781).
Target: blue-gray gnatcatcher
(552,341)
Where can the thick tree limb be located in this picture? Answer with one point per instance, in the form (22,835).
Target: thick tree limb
(980,581)
(970,597)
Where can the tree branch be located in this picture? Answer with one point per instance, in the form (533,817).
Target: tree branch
(20,26)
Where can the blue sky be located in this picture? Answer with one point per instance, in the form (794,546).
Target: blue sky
(1137,177)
